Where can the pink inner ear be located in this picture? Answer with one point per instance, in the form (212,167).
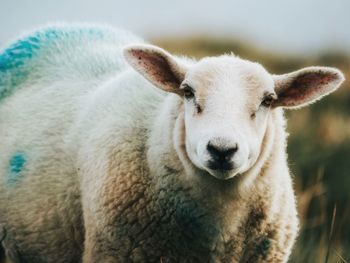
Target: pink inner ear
(306,87)
(156,67)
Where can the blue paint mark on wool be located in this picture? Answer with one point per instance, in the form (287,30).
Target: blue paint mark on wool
(17,61)
(16,166)
(12,61)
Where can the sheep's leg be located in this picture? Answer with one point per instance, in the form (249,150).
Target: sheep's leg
(113,199)
(99,245)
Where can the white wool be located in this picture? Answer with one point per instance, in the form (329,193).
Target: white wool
(105,162)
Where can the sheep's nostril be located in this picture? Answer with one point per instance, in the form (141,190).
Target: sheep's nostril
(231,151)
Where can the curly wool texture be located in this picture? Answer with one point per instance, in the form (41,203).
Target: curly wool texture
(102,182)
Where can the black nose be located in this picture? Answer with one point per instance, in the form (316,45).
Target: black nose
(221,156)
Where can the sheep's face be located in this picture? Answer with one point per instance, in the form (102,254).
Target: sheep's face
(227,103)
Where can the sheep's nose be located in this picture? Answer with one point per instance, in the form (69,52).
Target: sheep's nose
(221,156)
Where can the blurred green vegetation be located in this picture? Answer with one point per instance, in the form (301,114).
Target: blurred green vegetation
(318,146)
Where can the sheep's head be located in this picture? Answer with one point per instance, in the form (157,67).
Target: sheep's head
(228,101)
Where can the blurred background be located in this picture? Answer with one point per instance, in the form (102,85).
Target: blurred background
(283,36)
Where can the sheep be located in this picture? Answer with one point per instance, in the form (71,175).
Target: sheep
(114,150)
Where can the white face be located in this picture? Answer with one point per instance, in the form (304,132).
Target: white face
(227,102)
(226,110)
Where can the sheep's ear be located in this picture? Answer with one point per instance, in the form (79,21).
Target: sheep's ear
(302,87)
(156,65)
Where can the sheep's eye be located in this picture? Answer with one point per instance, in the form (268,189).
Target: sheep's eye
(268,99)
(188,92)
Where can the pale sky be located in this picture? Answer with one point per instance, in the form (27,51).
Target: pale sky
(284,25)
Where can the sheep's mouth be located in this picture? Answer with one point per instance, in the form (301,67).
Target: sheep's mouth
(227,166)
(223,174)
